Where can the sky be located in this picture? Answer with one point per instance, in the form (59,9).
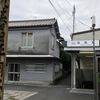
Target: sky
(61,10)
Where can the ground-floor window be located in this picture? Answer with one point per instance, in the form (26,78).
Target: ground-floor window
(58,68)
(38,67)
(13,72)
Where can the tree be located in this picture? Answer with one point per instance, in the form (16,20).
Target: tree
(66,58)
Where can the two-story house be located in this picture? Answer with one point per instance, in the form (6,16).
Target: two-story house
(33,52)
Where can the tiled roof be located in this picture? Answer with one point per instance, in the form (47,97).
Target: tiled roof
(41,22)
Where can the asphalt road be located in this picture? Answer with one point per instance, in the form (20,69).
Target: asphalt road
(50,93)
(57,92)
(65,82)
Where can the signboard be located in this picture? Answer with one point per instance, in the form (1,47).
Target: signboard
(85,43)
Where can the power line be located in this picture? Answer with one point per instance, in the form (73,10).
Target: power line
(69,14)
(62,11)
(69,3)
(83,23)
(68,22)
(63,3)
(59,15)
(79,20)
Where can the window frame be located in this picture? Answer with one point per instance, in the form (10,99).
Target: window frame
(53,41)
(14,67)
(13,72)
(35,71)
(57,68)
(27,40)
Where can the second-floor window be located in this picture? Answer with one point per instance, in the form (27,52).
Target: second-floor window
(53,41)
(27,40)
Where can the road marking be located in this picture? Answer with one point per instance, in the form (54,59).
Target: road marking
(28,96)
(18,95)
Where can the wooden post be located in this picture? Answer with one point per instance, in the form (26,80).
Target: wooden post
(4,17)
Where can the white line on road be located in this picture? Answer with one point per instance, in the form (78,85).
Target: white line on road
(18,95)
(29,96)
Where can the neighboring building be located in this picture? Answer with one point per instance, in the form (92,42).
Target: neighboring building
(33,52)
(81,45)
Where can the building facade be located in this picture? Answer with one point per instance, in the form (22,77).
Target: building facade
(81,46)
(33,52)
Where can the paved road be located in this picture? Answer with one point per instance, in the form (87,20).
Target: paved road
(17,95)
(65,82)
(57,92)
(50,93)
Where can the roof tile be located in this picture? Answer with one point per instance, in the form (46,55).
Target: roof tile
(41,22)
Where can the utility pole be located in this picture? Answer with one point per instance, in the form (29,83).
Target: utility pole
(73,66)
(74,11)
(4,16)
(94,59)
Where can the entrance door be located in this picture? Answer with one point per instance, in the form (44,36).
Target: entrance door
(14,72)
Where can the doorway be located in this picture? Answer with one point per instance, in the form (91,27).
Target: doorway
(14,72)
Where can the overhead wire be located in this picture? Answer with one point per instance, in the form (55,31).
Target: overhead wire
(76,18)
(83,23)
(63,12)
(68,13)
(69,3)
(68,22)
(63,9)
(59,15)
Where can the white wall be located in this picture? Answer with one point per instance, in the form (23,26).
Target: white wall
(87,36)
(86,63)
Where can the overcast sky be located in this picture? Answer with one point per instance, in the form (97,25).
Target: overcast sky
(42,9)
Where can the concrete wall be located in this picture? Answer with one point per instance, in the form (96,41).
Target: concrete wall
(53,51)
(87,36)
(86,63)
(32,77)
(40,41)
(84,75)
(57,75)
(57,50)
